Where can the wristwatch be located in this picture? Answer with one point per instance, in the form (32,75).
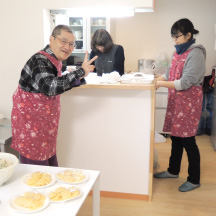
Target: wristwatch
(80,72)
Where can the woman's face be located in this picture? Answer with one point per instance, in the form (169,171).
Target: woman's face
(179,38)
(100,48)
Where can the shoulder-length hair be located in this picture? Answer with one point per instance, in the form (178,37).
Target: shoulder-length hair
(101,38)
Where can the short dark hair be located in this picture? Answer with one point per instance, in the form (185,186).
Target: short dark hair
(101,38)
(184,26)
(57,30)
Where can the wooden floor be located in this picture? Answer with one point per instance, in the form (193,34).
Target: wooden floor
(167,200)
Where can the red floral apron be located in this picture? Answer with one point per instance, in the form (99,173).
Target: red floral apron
(184,107)
(35,119)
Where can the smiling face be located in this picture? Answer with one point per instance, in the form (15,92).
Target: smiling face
(61,45)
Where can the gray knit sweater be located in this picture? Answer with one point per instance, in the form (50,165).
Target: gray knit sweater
(194,69)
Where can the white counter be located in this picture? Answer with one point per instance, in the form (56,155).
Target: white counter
(110,128)
(14,187)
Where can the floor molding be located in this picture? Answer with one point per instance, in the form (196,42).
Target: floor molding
(122,195)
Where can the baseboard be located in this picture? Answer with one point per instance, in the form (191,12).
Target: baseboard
(122,195)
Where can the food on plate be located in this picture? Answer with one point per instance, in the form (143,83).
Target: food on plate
(72,176)
(62,193)
(30,200)
(39,179)
(4,163)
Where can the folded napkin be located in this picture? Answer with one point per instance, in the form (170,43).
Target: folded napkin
(110,78)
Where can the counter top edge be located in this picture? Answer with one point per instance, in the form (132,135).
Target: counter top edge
(120,86)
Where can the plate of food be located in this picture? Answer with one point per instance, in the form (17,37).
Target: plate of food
(38,179)
(29,202)
(72,176)
(62,193)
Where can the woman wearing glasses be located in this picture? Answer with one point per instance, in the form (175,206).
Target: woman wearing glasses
(110,56)
(36,101)
(184,82)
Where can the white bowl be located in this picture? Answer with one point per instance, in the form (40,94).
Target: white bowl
(6,173)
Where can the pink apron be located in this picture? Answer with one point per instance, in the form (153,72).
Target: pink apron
(184,107)
(35,119)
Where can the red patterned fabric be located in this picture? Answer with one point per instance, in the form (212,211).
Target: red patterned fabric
(35,119)
(184,107)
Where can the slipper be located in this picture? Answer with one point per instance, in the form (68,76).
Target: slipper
(187,186)
(165,174)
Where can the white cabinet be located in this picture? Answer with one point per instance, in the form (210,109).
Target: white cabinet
(79,26)
(84,28)
(93,24)
(160,108)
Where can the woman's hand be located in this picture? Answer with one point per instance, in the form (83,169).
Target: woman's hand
(86,65)
(156,84)
(158,81)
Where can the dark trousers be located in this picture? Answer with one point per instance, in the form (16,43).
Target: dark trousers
(50,162)
(190,146)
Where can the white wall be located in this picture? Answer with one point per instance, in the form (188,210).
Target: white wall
(143,35)
(22,34)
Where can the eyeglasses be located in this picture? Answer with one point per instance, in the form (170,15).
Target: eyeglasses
(176,36)
(63,42)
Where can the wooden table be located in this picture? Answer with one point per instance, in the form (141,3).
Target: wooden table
(14,187)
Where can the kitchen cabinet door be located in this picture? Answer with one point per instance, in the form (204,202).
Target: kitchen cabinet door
(159,119)
(83,27)
(160,108)
(78,25)
(161,100)
(93,24)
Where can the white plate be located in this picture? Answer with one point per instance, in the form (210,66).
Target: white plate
(65,186)
(25,178)
(76,170)
(20,209)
